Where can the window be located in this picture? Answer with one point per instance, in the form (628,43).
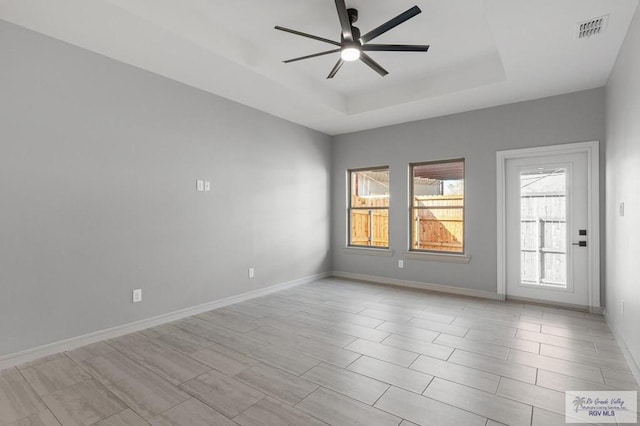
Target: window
(437,206)
(369,207)
(543,226)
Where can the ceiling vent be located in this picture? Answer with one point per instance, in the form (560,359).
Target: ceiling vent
(592,27)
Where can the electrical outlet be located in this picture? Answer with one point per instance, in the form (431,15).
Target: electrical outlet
(199,185)
(400,263)
(137,295)
(252,273)
(207,186)
(622,209)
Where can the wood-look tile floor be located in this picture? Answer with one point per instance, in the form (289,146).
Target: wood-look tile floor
(331,352)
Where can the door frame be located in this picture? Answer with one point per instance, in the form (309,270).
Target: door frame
(591,148)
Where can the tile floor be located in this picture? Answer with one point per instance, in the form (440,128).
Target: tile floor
(332,352)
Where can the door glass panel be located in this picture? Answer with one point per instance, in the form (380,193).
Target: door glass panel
(543,227)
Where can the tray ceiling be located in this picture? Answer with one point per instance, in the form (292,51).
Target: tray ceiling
(483,53)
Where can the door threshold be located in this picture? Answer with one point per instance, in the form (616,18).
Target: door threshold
(553,304)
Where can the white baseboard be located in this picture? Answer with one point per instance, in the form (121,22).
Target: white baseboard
(633,365)
(11,360)
(416,284)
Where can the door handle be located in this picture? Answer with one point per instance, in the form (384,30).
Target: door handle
(580,244)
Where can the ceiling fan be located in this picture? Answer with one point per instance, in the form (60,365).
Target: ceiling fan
(353,46)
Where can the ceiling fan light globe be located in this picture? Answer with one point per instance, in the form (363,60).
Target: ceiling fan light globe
(350,54)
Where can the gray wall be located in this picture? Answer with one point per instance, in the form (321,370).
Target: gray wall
(623,185)
(476,136)
(98,163)
(98,166)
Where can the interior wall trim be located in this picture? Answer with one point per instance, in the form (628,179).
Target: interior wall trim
(11,360)
(419,285)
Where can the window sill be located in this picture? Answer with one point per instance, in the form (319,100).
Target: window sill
(368,251)
(437,257)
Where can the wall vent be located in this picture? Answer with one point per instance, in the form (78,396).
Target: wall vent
(592,27)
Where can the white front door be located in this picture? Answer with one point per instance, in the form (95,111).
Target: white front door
(546,232)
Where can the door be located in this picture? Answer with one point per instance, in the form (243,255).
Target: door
(546,235)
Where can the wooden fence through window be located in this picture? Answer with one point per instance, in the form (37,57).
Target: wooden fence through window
(440,226)
(370,228)
(438,223)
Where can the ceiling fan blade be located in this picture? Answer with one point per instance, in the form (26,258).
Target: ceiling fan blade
(311,56)
(392,23)
(395,47)
(345,23)
(336,68)
(373,64)
(289,30)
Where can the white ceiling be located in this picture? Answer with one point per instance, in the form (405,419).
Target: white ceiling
(483,52)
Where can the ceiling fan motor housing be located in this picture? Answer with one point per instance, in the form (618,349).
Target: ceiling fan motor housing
(353,15)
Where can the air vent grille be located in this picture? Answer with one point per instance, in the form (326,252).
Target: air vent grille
(592,27)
